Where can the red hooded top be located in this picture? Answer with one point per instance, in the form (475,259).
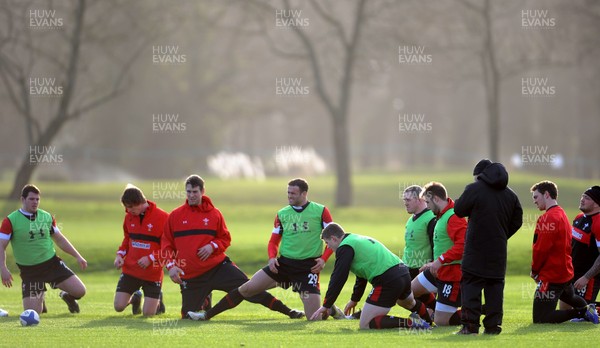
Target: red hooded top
(552,247)
(188,229)
(142,237)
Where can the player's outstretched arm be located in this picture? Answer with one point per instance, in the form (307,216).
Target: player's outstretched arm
(591,273)
(6,276)
(66,246)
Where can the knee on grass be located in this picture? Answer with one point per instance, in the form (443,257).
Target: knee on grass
(120,307)
(78,293)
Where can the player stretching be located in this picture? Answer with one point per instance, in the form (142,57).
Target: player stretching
(194,243)
(552,266)
(139,254)
(372,262)
(585,246)
(297,228)
(442,276)
(31,232)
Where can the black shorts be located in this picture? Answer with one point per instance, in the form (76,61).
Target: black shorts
(546,297)
(225,277)
(590,291)
(414,272)
(130,284)
(448,292)
(389,287)
(34,278)
(296,274)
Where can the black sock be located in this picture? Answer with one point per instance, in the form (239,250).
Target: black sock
(69,296)
(278,306)
(231,300)
(388,322)
(421,310)
(428,299)
(581,311)
(455,318)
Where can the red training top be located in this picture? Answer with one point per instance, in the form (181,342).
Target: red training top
(188,229)
(552,247)
(456,229)
(142,238)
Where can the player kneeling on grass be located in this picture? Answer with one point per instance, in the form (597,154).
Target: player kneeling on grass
(297,228)
(32,233)
(139,254)
(442,276)
(371,262)
(552,266)
(195,240)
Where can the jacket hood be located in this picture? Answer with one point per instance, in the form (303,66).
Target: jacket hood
(206,205)
(495,175)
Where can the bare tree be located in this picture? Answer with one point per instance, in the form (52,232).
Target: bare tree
(535,50)
(344,33)
(84,55)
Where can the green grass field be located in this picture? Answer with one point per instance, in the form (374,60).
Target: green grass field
(91,217)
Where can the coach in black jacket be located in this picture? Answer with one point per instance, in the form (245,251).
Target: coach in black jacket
(495,214)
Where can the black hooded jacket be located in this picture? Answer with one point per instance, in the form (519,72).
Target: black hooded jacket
(495,214)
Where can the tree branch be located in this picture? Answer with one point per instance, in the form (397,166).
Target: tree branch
(314,62)
(335,23)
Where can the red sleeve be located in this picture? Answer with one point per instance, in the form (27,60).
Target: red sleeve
(326,254)
(457,227)
(158,256)
(167,245)
(542,242)
(277,223)
(596,229)
(124,248)
(223,237)
(326,216)
(273,246)
(53,226)
(6,227)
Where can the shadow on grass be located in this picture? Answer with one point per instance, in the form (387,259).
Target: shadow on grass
(180,327)
(545,329)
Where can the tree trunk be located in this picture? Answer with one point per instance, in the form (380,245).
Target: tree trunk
(27,168)
(343,194)
(492,82)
